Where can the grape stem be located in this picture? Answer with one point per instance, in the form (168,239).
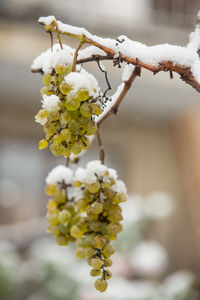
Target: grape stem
(76,55)
(101,148)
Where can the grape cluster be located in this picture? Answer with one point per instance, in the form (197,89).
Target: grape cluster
(101,195)
(92,218)
(69,106)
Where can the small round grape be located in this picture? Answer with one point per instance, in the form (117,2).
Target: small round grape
(42,144)
(81,252)
(98,241)
(101,285)
(94,272)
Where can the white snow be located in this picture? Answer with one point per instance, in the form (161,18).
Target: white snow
(46,20)
(59,174)
(49,59)
(89,51)
(50,103)
(95,169)
(127,72)
(151,55)
(83,80)
(120,187)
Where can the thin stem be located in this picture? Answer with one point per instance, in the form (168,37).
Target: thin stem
(127,85)
(67,161)
(76,55)
(58,34)
(106,77)
(51,38)
(101,148)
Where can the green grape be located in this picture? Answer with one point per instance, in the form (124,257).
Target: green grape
(64,217)
(54,230)
(74,125)
(119,198)
(67,116)
(82,94)
(76,232)
(46,78)
(96,226)
(81,205)
(72,103)
(107,274)
(50,128)
(75,219)
(45,91)
(51,189)
(57,139)
(64,229)
(54,116)
(53,219)
(70,207)
(42,113)
(67,151)
(96,208)
(52,206)
(85,142)
(77,183)
(112,228)
(76,148)
(93,187)
(65,88)
(98,241)
(54,80)
(60,69)
(57,150)
(92,128)
(101,285)
(90,252)
(59,196)
(86,110)
(115,216)
(108,262)
(42,144)
(62,240)
(81,252)
(94,272)
(96,263)
(108,250)
(97,110)
(65,135)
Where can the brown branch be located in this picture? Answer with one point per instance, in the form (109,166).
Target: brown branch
(101,148)
(127,85)
(184,72)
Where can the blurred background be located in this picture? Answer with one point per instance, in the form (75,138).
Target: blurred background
(154,143)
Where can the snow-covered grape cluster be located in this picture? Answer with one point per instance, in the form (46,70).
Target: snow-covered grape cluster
(85,208)
(68,107)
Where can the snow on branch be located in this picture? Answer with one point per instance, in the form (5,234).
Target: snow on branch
(183,60)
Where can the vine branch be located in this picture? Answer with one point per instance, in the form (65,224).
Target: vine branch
(185,72)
